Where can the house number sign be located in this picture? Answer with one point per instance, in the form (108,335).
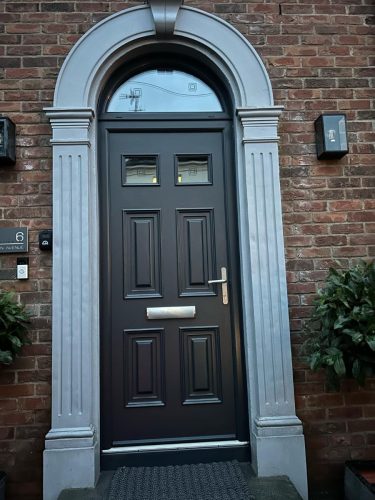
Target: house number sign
(13,239)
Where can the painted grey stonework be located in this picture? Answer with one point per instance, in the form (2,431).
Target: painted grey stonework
(164,13)
(71,457)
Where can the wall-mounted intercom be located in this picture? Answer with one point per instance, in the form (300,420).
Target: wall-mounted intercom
(22,268)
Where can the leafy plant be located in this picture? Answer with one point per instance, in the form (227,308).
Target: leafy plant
(342,325)
(14,323)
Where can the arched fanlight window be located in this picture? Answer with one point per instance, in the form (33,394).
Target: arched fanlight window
(163,91)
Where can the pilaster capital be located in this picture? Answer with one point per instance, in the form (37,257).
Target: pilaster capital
(70,115)
(70,126)
(260,124)
(260,115)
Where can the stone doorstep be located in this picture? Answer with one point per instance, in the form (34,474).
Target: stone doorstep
(262,488)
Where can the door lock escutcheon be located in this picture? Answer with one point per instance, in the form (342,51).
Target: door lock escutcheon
(224,284)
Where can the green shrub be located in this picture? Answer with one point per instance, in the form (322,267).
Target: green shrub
(342,326)
(14,323)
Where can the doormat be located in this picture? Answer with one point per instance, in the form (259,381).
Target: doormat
(214,481)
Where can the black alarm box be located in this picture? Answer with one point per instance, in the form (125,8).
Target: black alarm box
(45,240)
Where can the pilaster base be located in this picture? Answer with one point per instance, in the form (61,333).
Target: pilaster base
(69,463)
(280,451)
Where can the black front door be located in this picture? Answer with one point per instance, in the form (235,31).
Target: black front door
(171,362)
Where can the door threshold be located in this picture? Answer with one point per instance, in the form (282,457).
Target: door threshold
(176,446)
(175,454)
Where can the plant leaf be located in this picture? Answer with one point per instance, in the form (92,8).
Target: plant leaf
(315,361)
(15,341)
(356,337)
(339,367)
(6,357)
(340,322)
(356,369)
(370,340)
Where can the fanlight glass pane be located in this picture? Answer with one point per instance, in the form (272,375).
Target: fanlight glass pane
(163,91)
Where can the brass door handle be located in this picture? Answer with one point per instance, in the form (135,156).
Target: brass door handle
(223,282)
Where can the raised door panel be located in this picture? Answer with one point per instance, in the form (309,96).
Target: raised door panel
(200,365)
(196,251)
(144,365)
(141,250)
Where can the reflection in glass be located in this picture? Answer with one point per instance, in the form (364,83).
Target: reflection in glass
(164,91)
(335,139)
(193,169)
(139,170)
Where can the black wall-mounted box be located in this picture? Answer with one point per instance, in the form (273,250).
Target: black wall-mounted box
(45,240)
(7,142)
(331,136)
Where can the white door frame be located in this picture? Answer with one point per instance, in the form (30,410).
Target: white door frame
(71,457)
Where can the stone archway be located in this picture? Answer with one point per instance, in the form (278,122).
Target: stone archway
(71,457)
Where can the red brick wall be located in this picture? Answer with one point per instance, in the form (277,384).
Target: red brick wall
(318,54)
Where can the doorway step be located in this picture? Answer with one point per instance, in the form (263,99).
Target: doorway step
(266,488)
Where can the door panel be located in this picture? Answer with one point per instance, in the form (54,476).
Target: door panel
(168,380)
(195,251)
(143,363)
(200,370)
(141,251)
